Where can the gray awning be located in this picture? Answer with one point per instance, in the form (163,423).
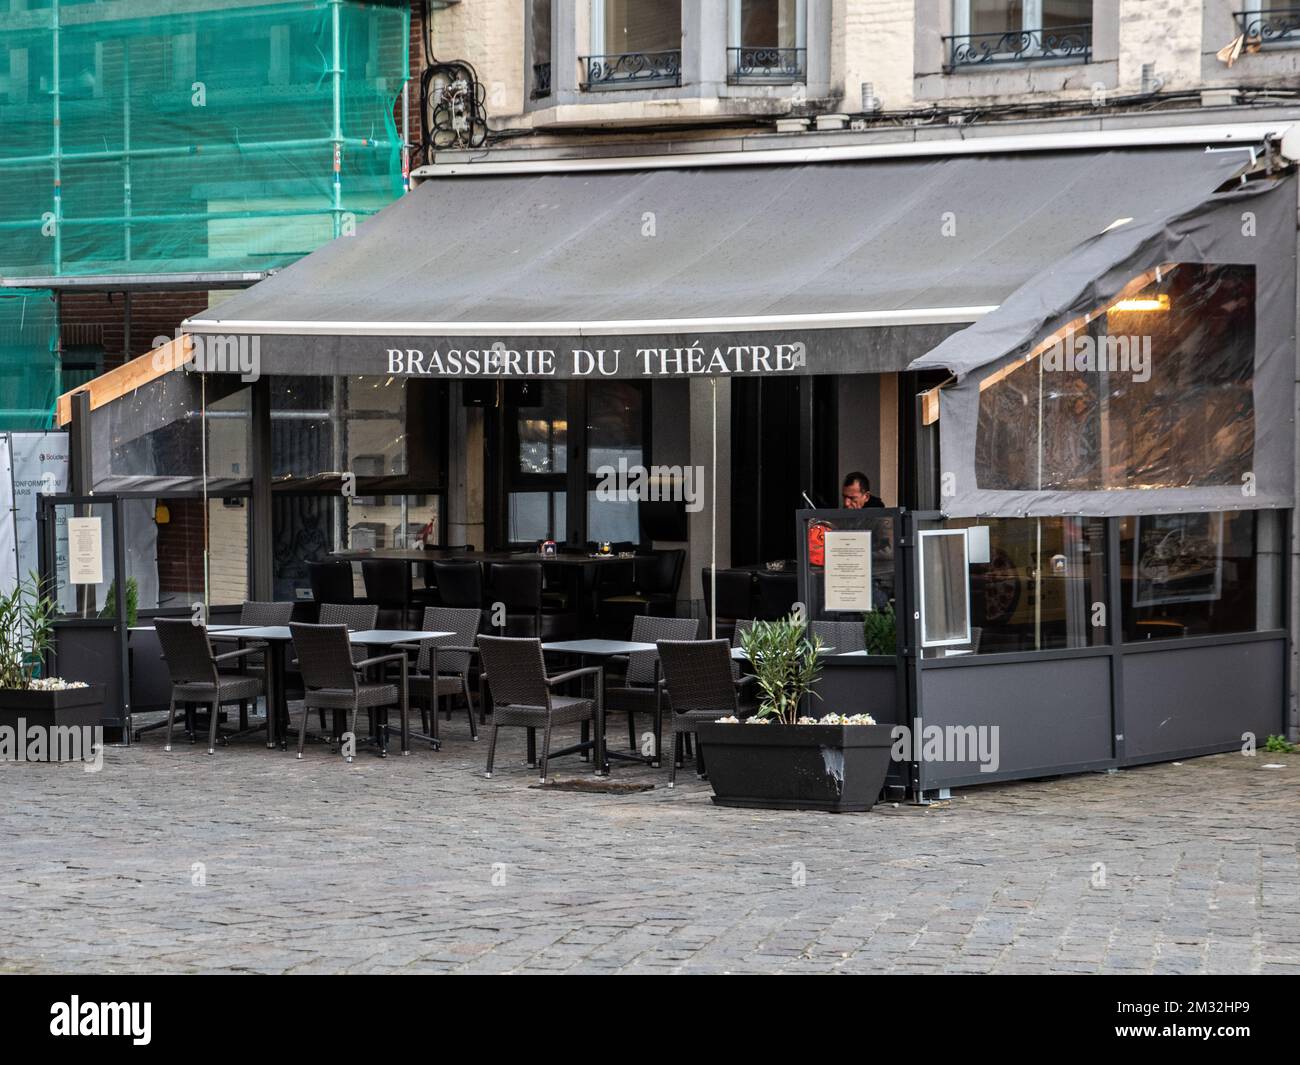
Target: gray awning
(793,268)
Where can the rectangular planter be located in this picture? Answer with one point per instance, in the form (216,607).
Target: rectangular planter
(835,768)
(69,708)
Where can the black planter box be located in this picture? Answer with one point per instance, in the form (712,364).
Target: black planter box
(835,768)
(69,708)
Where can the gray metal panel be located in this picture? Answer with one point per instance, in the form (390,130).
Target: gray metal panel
(821,237)
(1180,700)
(1052,716)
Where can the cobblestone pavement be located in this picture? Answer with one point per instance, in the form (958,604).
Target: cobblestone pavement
(253,861)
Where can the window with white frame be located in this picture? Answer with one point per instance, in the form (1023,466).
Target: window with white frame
(633,42)
(768,41)
(1001,31)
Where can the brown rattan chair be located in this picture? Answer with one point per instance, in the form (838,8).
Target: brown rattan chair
(442,667)
(698,685)
(196,679)
(638,693)
(332,681)
(259,614)
(515,677)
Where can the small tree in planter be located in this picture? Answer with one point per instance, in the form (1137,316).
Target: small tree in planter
(837,763)
(26,636)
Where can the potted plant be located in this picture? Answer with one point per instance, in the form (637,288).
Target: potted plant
(28,700)
(783,759)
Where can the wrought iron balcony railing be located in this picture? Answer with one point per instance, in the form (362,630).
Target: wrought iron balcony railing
(1270,24)
(1073,43)
(748,65)
(632,69)
(541,80)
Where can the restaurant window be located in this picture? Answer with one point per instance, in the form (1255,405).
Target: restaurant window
(998,31)
(549,474)
(615,439)
(1201,574)
(1036,584)
(1155,391)
(536,467)
(539,36)
(768,41)
(634,42)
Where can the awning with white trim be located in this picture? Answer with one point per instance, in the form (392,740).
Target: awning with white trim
(850,266)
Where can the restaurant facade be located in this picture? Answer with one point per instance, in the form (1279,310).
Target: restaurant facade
(1066,366)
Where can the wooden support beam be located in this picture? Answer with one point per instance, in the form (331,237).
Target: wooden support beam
(128,377)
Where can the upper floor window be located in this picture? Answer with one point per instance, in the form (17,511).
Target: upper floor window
(1264,22)
(539,26)
(1019,31)
(634,43)
(768,41)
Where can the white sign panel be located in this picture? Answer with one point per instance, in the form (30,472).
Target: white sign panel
(848,570)
(85,551)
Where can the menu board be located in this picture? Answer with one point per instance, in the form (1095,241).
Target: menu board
(85,551)
(848,570)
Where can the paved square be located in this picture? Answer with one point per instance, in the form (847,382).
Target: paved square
(253,861)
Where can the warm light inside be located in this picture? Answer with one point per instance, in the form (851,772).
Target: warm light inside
(1159,302)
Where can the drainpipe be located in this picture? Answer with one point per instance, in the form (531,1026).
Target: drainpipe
(336,75)
(58,147)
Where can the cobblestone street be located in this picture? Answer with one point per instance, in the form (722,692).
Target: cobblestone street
(254,861)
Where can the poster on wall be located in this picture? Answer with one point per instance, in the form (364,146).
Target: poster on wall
(39,466)
(85,551)
(8,542)
(1179,559)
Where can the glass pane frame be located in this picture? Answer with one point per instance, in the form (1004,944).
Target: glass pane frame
(934,536)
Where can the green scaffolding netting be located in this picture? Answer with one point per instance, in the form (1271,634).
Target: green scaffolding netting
(175,136)
(29,367)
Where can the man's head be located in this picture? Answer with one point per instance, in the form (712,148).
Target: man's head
(856,490)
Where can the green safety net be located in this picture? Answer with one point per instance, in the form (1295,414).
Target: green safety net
(179,136)
(29,367)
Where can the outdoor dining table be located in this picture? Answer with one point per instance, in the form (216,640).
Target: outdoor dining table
(585,650)
(278,637)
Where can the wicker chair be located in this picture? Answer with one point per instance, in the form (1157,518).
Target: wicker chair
(697,676)
(331,682)
(260,614)
(443,665)
(196,678)
(844,636)
(637,694)
(515,675)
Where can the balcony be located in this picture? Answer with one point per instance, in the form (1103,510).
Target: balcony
(541,81)
(632,70)
(1270,25)
(759,66)
(1071,44)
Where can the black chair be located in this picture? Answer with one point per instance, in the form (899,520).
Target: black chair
(459,584)
(443,663)
(698,686)
(388,587)
(775,595)
(652,588)
(428,595)
(196,679)
(518,586)
(332,681)
(637,692)
(735,598)
(331,581)
(521,692)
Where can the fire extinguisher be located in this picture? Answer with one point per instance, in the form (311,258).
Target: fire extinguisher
(817,531)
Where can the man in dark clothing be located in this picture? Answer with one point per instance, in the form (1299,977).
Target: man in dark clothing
(856,492)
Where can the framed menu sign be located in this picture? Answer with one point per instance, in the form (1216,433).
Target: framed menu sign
(848,570)
(85,551)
